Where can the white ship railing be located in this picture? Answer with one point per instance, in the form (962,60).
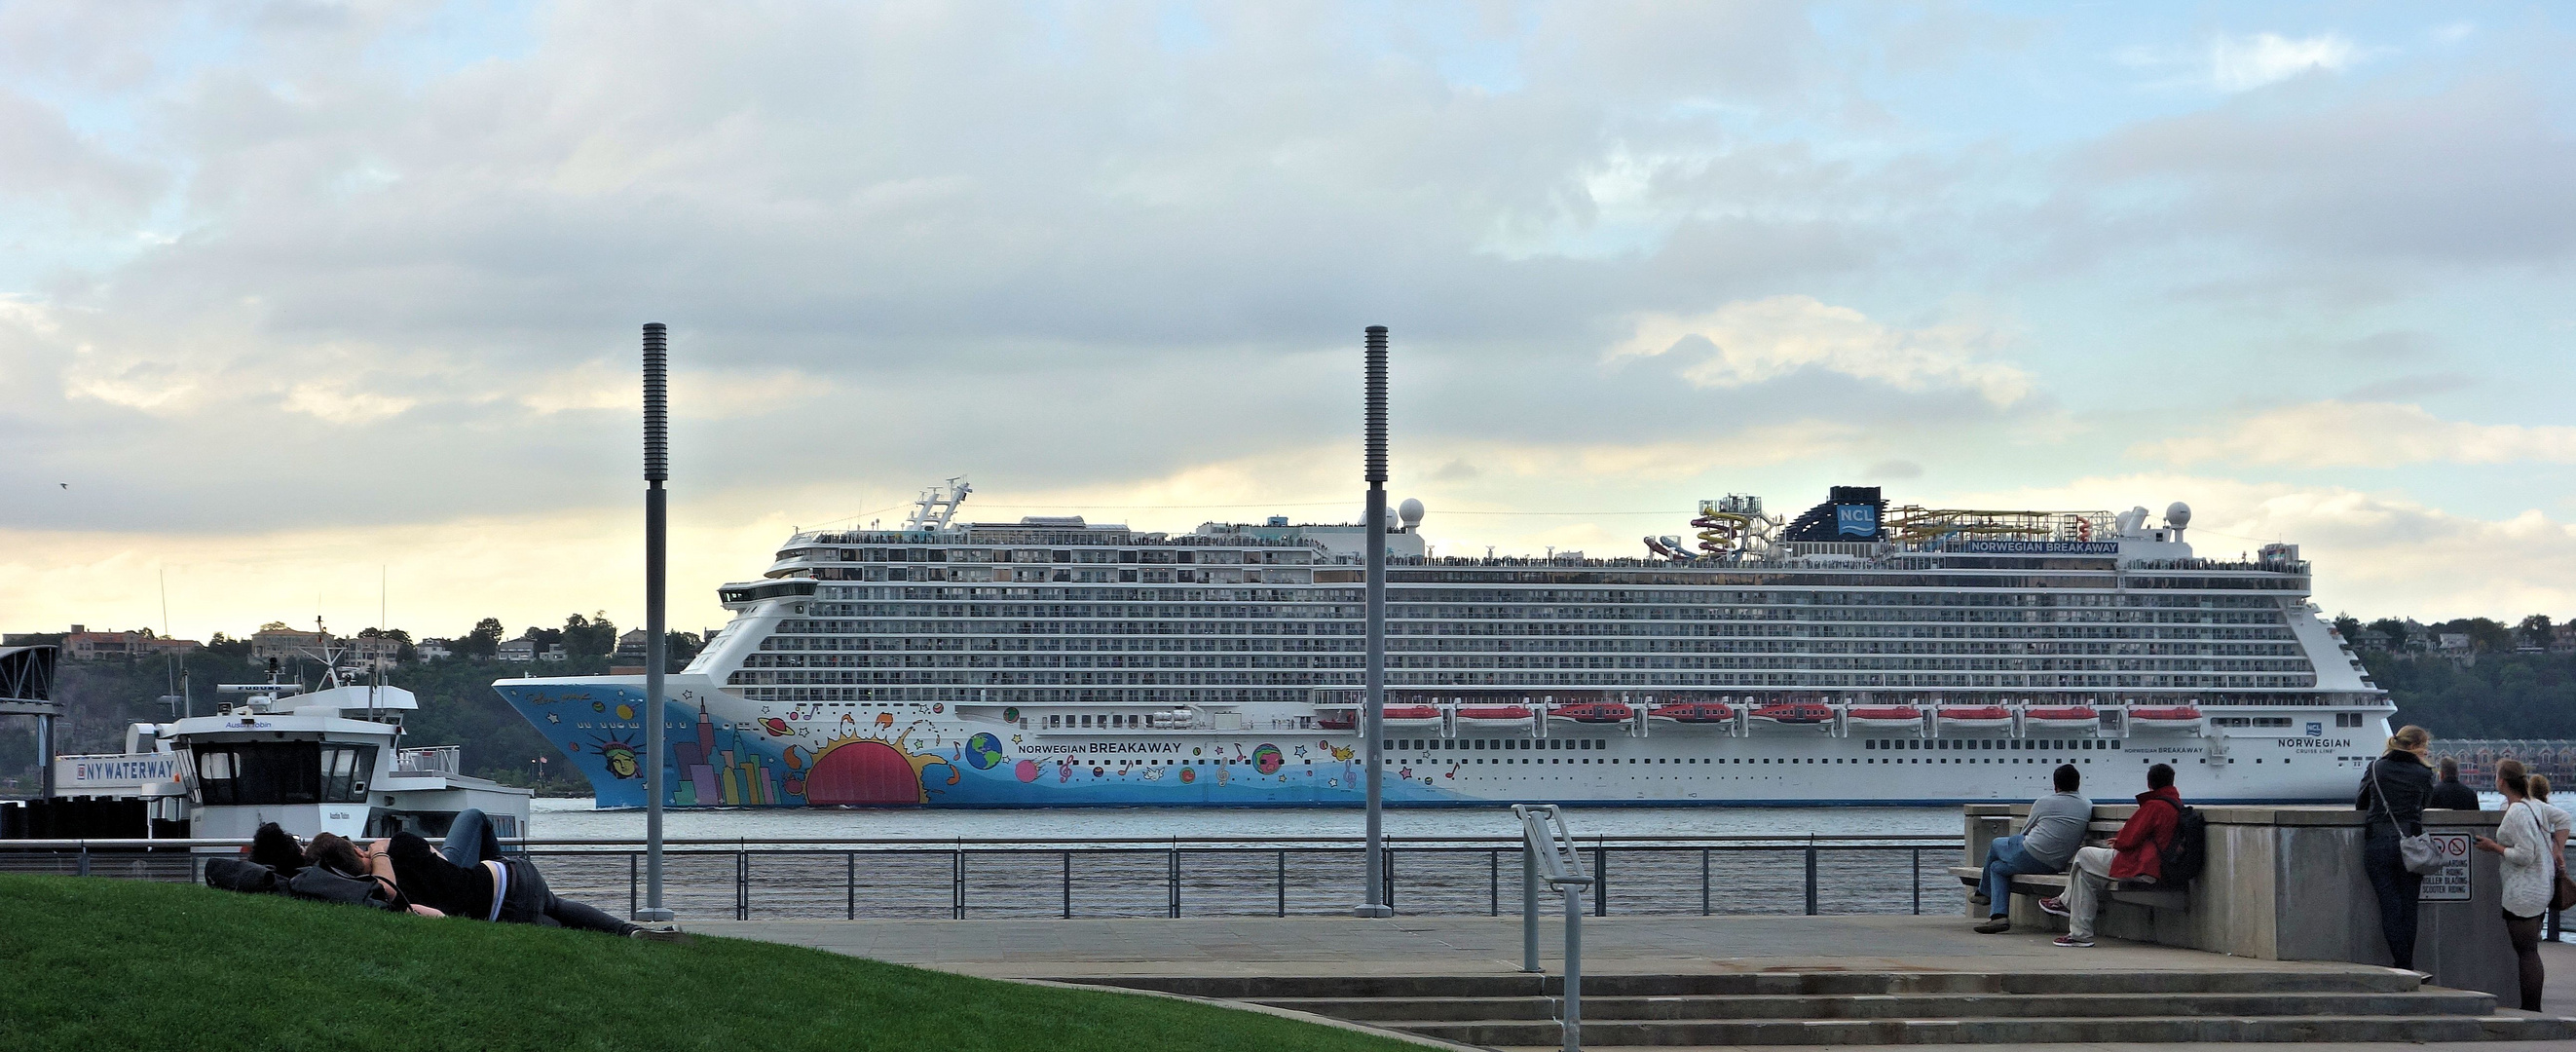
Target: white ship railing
(435,759)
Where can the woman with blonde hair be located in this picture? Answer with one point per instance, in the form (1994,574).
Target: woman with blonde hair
(2393,792)
(2523,840)
(2560,825)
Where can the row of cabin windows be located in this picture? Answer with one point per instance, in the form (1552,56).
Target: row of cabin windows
(1106,719)
(2041,744)
(1433,744)
(283,773)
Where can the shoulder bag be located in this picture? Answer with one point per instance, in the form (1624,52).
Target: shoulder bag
(2414,852)
(2562,891)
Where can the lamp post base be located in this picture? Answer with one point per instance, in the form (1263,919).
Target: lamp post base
(1372,909)
(652,915)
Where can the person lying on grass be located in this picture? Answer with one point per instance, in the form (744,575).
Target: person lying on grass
(467,876)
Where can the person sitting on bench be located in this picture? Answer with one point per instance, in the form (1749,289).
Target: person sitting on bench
(2137,853)
(2047,842)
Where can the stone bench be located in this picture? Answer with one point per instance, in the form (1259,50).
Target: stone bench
(2097,833)
(2284,883)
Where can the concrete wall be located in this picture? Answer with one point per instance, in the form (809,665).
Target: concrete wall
(2285,883)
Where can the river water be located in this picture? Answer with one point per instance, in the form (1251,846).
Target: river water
(764,877)
(559,817)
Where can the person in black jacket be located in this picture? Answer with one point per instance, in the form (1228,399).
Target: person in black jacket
(2393,792)
(2449,794)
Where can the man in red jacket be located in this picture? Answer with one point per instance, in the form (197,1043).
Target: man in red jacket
(2137,853)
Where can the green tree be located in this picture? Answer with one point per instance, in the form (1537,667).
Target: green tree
(591,636)
(483,642)
(2347,626)
(2533,631)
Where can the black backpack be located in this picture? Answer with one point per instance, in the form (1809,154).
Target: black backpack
(241,874)
(2189,850)
(324,884)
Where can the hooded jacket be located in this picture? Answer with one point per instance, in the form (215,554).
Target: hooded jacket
(2139,849)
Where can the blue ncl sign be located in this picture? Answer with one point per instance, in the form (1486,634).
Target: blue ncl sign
(1856,520)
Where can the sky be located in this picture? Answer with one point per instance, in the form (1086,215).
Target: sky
(332,309)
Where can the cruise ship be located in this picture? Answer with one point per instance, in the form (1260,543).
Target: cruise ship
(1855,653)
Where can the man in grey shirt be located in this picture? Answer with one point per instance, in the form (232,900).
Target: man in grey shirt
(2047,841)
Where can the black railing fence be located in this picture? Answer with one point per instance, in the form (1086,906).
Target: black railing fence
(1138,877)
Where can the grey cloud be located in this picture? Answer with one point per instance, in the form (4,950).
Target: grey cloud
(1894,469)
(2471,174)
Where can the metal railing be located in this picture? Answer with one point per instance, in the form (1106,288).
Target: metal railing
(1145,876)
(435,759)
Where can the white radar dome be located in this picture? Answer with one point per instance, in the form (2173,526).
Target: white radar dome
(2178,515)
(1410,511)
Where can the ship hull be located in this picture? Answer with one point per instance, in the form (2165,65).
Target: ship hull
(726,751)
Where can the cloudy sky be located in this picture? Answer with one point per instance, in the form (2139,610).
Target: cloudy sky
(299,296)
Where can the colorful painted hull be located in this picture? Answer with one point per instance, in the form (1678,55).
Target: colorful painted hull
(725,751)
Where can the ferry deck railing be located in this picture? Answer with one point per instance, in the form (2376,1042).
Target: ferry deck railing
(1067,877)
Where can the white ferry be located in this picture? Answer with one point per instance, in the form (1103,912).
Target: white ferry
(1855,655)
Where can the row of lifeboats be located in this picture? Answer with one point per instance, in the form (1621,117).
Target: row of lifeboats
(1784,714)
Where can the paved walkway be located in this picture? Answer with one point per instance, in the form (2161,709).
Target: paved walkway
(1457,946)
(1472,945)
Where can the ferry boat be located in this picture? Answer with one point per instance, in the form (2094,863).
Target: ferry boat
(1058,662)
(322,761)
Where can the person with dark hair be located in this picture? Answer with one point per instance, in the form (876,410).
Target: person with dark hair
(2047,840)
(2393,793)
(2523,839)
(468,876)
(2448,793)
(2136,853)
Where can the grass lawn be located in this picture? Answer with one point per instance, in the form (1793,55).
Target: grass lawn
(94,963)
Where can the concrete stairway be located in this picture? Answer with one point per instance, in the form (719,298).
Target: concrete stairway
(1895,1008)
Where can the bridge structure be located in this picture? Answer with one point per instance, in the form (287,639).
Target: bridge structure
(27,692)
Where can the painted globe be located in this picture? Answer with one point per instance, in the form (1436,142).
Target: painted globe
(983,751)
(1266,759)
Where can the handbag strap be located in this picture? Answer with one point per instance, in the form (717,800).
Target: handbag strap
(2379,793)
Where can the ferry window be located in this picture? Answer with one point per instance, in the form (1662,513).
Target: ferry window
(260,773)
(345,772)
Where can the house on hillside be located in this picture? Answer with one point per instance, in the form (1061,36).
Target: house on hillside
(519,650)
(432,650)
(80,644)
(2370,639)
(630,647)
(275,640)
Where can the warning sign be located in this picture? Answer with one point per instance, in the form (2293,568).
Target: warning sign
(2451,882)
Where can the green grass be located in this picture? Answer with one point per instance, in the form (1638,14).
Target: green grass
(93,963)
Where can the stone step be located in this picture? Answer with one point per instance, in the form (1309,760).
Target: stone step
(1412,1010)
(1993,1030)
(2355,980)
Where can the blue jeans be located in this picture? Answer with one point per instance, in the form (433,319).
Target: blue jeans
(470,841)
(2005,861)
(527,900)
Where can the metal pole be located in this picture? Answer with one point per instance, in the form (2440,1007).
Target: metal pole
(850,884)
(1703,882)
(657,470)
(1573,968)
(1068,885)
(1373,723)
(1918,882)
(45,765)
(1529,907)
(1175,878)
(1283,883)
(631,884)
(1811,878)
(1600,880)
(1493,883)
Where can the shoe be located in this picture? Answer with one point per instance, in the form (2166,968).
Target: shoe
(2072,941)
(1980,899)
(665,933)
(2054,907)
(1995,926)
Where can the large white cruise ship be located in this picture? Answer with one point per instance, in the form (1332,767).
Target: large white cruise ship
(1857,654)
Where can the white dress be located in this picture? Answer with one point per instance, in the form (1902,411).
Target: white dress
(2526,869)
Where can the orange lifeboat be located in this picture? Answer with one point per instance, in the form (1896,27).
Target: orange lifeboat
(1886,716)
(1976,717)
(1796,713)
(1693,712)
(2062,717)
(1593,712)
